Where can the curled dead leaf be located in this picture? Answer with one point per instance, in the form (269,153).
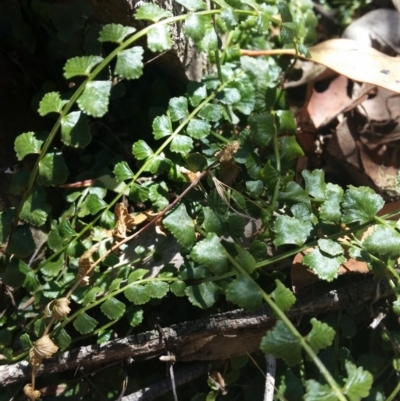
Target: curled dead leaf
(85,266)
(190,175)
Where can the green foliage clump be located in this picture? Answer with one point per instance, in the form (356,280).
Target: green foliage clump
(215,157)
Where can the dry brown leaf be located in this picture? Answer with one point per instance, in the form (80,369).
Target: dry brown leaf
(378,164)
(391,207)
(228,172)
(382,107)
(358,62)
(355,60)
(324,106)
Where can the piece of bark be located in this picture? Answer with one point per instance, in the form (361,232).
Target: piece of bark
(181,63)
(216,337)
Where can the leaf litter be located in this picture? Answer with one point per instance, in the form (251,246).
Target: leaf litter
(350,127)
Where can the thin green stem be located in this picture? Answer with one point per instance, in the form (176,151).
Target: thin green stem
(100,67)
(143,168)
(278,168)
(394,393)
(220,137)
(110,295)
(281,315)
(382,221)
(277,258)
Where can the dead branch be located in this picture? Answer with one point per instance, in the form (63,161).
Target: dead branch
(206,339)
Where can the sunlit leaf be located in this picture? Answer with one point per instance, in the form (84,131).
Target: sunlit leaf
(263,128)
(91,295)
(291,149)
(75,130)
(246,260)
(358,383)
(197,92)
(229,17)
(178,288)
(383,241)
(63,339)
(123,172)
(162,127)
(159,39)
(52,169)
(129,63)
(315,183)
(138,274)
(212,222)
(51,103)
(209,41)
(134,315)
(151,12)
(178,108)
(195,26)
(210,253)
(203,295)
(95,204)
(290,230)
(244,292)
(330,247)
(84,323)
(283,297)
(141,150)
(137,294)
(27,143)
(211,112)
(360,205)
(115,33)
(192,5)
(320,336)
(113,308)
(325,266)
(80,66)
(95,98)
(181,225)
(35,209)
(317,391)
(198,129)
(330,209)
(181,144)
(157,289)
(282,343)
(294,193)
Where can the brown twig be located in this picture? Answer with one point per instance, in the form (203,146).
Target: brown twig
(216,337)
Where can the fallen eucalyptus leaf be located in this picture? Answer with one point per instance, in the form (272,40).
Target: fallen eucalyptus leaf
(355,60)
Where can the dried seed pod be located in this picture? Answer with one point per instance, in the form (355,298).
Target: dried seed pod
(31,393)
(226,154)
(43,348)
(59,308)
